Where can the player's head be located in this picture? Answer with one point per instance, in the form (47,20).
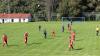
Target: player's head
(4,34)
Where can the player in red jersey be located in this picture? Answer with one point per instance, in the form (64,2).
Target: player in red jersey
(4,39)
(25,37)
(53,33)
(70,43)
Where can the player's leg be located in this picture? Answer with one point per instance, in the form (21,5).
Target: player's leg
(45,36)
(54,34)
(62,29)
(96,33)
(39,29)
(51,34)
(4,43)
(68,28)
(25,41)
(69,47)
(72,46)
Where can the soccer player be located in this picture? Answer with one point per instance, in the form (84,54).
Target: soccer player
(45,34)
(69,27)
(97,30)
(25,37)
(39,27)
(70,43)
(63,28)
(4,39)
(53,33)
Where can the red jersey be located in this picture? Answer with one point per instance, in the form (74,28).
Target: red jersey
(4,38)
(25,36)
(73,35)
(70,41)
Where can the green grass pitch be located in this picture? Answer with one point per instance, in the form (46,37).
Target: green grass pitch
(86,44)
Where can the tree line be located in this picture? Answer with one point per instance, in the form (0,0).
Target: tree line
(46,8)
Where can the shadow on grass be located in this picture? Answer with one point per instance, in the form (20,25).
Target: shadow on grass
(50,38)
(34,44)
(79,49)
(12,45)
(79,39)
(59,36)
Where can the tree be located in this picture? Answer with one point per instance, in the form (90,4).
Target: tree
(48,7)
(68,7)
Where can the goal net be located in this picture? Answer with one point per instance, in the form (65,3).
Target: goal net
(67,20)
(73,18)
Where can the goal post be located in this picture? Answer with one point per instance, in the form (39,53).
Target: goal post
(73,19)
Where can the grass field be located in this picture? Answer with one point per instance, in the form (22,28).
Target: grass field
(86,44)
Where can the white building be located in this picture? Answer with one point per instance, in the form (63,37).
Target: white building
(20,17)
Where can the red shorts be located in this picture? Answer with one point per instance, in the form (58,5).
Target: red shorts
(5,41)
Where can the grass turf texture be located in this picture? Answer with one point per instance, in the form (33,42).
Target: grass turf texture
(86,44)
